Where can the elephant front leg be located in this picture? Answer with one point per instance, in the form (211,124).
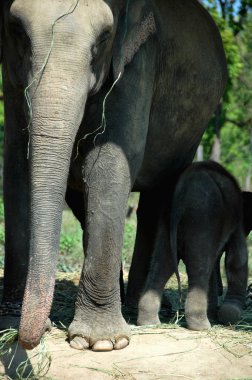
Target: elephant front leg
(98,322)
(16,209)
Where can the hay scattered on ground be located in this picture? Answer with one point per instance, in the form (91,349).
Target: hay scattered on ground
(35,366)
(235,340)
(7,338)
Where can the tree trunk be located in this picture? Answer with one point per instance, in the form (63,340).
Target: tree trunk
(248,180)
(199,154)
(216,149)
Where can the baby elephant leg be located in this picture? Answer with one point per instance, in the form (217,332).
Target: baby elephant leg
(236,264)
(214,291)
(199,261)
(196,308)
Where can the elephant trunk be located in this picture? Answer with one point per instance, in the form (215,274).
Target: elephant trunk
(54,126)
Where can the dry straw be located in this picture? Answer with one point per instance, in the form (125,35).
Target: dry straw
(34,367)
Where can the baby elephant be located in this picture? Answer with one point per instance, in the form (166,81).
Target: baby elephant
(205,218)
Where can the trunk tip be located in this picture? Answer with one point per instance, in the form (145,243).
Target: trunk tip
(28,344)
(30,337)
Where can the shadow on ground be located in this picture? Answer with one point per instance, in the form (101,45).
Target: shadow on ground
(14,361)
(17,365)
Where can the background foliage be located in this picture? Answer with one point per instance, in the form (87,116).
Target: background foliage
(228,138)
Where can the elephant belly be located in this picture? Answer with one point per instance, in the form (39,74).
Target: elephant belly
(169,150)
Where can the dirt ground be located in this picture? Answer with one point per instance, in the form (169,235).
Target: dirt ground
(154,353)
(168,351)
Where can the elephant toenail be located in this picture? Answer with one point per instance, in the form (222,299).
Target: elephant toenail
(79,343)
(121,343)
(103,345)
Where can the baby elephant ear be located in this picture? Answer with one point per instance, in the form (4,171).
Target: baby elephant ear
(134,28)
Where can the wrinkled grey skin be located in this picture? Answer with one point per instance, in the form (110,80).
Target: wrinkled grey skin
(204,219)
(170,69)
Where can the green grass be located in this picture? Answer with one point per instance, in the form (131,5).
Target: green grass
(71,252)
(70,249)
(28,368)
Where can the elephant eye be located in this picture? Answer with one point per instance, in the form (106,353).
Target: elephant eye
(104,36)
(15,25)
(100,43)
(17,32)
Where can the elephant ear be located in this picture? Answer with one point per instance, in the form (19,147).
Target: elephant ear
(135,26)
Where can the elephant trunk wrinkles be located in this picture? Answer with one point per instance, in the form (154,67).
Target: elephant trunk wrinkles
(51,146)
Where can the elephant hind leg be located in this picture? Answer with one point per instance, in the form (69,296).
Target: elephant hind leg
(162,267)
(236,265)
(147,219)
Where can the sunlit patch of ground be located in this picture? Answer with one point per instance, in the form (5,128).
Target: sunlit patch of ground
(168,351)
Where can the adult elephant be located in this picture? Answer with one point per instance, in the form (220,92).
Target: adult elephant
(101,97)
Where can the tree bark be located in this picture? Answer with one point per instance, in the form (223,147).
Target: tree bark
(216,149)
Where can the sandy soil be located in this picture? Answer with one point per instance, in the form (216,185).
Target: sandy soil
(154,353)
(160,352)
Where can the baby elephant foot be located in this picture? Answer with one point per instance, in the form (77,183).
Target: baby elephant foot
(196,310)
(148,308)
(100,332)
(229,313)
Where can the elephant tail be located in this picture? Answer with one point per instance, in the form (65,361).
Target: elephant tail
(174,221)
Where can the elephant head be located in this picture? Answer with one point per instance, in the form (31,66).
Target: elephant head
(59,53)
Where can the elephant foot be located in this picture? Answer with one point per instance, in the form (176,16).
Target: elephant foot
(229,313)
(148,308)
(101,332)
(10,314)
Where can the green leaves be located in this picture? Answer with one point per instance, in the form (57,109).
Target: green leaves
(234,20)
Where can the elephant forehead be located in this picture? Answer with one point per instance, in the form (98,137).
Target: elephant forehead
(30,11)
(79,15)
